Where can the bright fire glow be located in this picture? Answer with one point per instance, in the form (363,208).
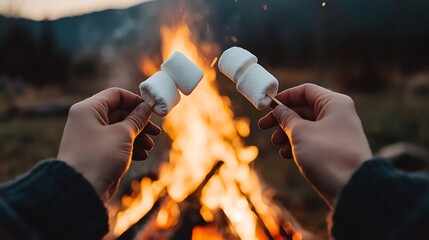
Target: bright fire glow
(211,233)
(203,130)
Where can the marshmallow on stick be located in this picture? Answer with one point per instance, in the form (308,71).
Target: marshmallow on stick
(184,73)
(253,81)
(160,90)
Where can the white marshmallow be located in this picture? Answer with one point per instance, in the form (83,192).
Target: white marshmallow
(255,84)
(160,92)
(184,73)
(253,81)
(234,61)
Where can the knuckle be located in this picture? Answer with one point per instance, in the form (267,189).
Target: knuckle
(287,120)
(113,89)
(135,122)
(75,109)
(294,132)
(347,101)
(308,85)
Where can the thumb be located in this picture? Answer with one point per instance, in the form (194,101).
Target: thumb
(138,118)
(285,116)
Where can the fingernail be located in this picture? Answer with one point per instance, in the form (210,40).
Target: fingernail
(279,111)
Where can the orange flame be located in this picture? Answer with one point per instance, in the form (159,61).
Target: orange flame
(203,130)
(211,233)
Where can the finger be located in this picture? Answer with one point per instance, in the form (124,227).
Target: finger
(142,144)
(286,117)
(279,137)
(268,121)
(139,154)
(136,121)
(302,95)
(143,141)
(114,98)
(113,188)
(152,129)
(286,152)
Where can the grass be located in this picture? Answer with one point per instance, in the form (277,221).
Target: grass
(390,118)
(26,141)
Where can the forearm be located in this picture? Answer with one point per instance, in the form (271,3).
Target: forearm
(53,201)
(380,202)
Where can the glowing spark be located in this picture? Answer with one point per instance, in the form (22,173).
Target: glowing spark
(214,62)
(323,4)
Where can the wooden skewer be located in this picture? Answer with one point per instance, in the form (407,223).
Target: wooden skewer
(151,103)
(275,99)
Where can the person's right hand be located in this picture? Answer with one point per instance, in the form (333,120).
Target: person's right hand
(323,133)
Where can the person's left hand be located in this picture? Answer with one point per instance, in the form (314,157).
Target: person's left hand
(103,133)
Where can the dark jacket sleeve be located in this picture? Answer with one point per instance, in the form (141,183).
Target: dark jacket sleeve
(380,202)
(53,201)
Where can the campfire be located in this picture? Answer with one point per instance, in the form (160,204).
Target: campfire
(208,189)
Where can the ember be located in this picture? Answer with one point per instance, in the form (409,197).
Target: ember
(216,199)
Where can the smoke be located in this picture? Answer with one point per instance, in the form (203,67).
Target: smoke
(116,41)
(136,36)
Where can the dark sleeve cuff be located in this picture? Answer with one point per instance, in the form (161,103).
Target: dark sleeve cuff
(56,202)
(380,202)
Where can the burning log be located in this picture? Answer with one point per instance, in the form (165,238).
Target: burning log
(225,224)
(196,194)
(267,232)
(132,231)
(252,207)
(191,204)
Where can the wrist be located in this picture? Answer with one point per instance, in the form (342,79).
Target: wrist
(79,167)
(96,185)
(345,175)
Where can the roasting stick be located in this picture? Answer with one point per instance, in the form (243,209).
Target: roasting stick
(151,103)
(275,99)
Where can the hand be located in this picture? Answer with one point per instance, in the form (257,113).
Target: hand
(324,135)
(103,133)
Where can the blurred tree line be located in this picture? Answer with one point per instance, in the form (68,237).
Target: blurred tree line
(360,46)
(36,60)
